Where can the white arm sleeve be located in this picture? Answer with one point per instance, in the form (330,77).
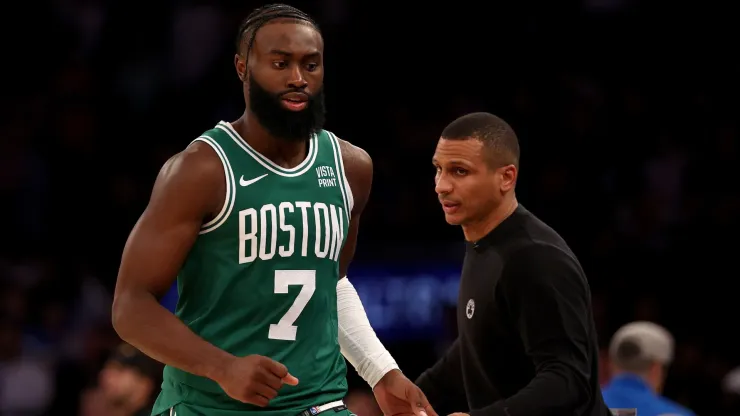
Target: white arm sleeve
(357,340)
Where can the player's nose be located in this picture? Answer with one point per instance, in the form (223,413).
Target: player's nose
(297,80)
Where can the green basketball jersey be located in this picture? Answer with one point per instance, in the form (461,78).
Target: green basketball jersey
(261,277)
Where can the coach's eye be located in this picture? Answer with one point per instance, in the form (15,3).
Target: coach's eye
(461,171)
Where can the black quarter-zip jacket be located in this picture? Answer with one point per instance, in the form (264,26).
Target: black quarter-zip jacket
(526,341)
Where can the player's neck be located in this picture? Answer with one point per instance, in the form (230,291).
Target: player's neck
(284,153)
(479,229)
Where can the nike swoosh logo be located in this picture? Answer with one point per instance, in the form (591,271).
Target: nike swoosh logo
(242,182)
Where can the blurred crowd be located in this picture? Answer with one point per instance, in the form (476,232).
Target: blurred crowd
(629,150)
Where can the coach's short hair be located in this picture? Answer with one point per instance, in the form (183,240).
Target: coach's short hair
(495,133)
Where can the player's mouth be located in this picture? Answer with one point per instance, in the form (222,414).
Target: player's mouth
(450,207)
(294,101)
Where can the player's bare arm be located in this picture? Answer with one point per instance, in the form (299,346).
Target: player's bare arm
(358,166)
(360,345)
(189,188)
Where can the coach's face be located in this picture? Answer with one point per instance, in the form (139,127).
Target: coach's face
(468,186)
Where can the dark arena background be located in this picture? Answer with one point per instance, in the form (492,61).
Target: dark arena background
(626,111)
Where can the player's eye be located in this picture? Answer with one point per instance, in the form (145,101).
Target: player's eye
(312,66)
(461,171)
(279,64)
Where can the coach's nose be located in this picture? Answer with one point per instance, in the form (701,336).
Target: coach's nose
(442,184)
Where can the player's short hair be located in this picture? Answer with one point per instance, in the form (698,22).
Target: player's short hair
(259,17)
(495,133)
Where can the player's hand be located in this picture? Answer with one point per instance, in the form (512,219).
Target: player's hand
(398,396)
(254,379)
(459,414)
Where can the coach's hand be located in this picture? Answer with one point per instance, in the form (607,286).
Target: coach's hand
(398,396)
(254,379)
(459,414)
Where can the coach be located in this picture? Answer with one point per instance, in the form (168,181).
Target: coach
(527,341)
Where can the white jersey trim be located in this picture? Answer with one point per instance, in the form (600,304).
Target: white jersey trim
(349,201)
(230,197)
(303,167)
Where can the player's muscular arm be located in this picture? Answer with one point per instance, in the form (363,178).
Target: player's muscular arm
(358,166)
(188,188)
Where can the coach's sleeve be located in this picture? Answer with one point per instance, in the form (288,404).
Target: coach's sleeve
(443,384)
(548,299)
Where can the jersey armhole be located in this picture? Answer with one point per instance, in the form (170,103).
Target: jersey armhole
(230,197)
(349,201)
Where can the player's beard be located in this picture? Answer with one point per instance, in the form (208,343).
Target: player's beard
(281,122)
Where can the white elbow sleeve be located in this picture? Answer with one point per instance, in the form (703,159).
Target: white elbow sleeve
(357,340)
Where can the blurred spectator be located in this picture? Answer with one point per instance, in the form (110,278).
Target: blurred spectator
(640,353)
(731,392)
(127,385)
(26,381)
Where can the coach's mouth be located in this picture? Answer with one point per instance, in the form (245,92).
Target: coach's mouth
(450,207)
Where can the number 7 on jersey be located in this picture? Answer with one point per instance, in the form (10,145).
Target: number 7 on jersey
(284,329)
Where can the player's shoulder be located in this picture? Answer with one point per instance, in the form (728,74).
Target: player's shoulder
(198,162)
(357,162)
(218,130)
(358,167)
(352,154)
(199,157)
(202,150)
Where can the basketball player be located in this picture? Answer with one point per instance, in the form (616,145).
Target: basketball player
(258,220)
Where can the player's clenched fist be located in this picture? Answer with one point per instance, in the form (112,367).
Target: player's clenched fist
(254,379)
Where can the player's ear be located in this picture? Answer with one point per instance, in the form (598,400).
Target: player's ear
(509,174)
(241,66)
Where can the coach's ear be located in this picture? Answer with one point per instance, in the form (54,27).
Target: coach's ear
(509,175)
